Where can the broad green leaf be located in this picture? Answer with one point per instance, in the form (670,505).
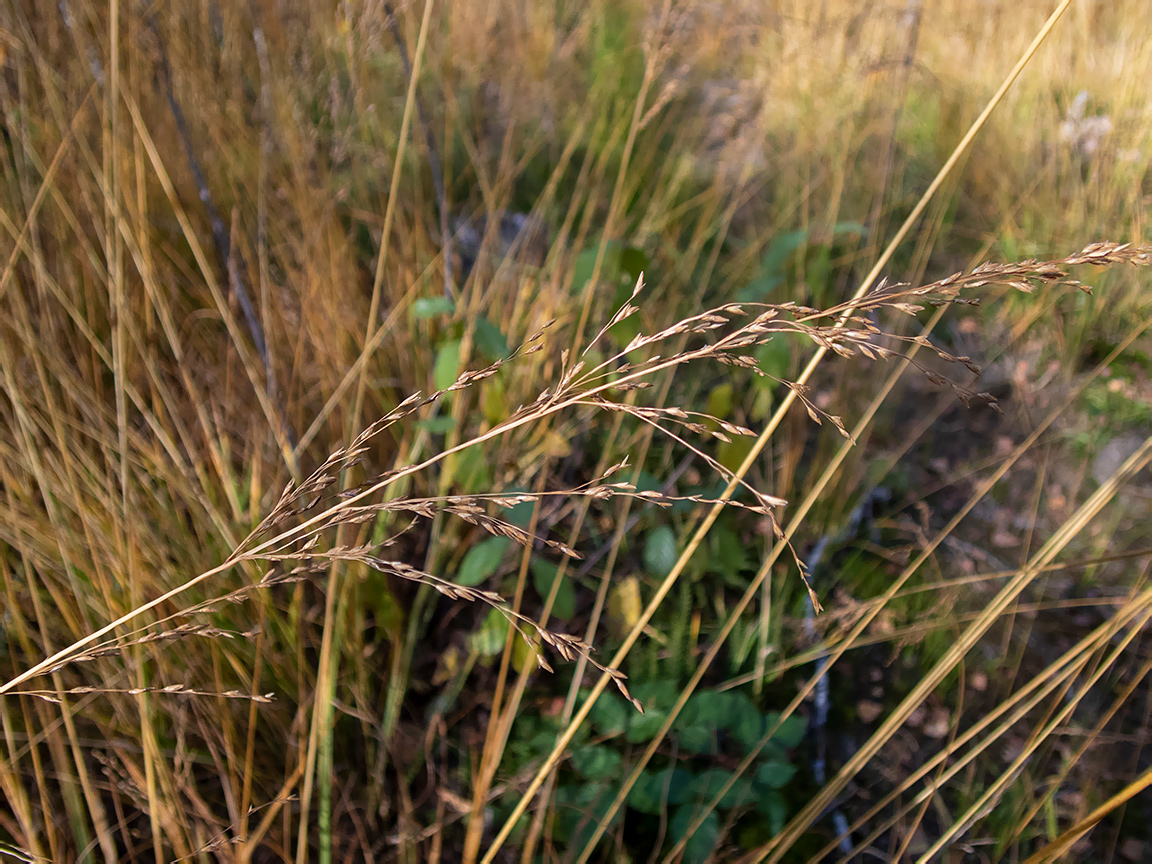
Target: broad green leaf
(660,551)
(656,697)
(729,554)
(544,573)
(775,358)
(388,611)
(490,341)
(624,605)
(520,514)
(653,790)
(432,307)
(699,709)
(780,249)
(698,722)
(580,809)
(481,561)
(470,469)
(643,727)
(648,482)
(702,841)
(447,367)
(596,762)
(697,739)
(740,795)
(791,732)
(761,402)
(774,775)
(817,274)
(772,805)
(610,714)
(646,793)
(657,694)
(773,266)
(436,425)
(745,723)
(493,399)
(633,262)
(681,786)
(849,228)
(731,454)
(488,641)
(586,263)
(524,656)
(625,331)
(720,401)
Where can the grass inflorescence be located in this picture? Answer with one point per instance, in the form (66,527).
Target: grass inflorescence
(359,363)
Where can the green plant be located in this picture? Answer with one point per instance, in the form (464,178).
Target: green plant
(714,724)
(227,235)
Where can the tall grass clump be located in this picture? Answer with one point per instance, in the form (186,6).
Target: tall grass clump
(360,363)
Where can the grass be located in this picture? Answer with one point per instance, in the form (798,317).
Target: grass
(292,608)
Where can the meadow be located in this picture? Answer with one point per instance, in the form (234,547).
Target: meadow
(564,432)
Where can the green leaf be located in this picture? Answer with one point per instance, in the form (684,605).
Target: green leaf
(780,249)
(643,727)
(708,712)
(681,786)
(697,739)
(745,722)
(490,341)
(481,561)
(660,551)
(625,331)
(633,261)
(774,357)
(447,367)
(774,775)
(773,806)
(586,263)
(653,790)
(646,482)
(436,425)
(596,762)
(471,471)
(849,228)
(740,795)
(520,514)
(646,793)
(731,454)
(657,697)
(432,307)
(791,732)
(702,841)
(773,266)
(610,714)
(389,613)
(729,555)
(579,809)
(817,274)
(544,573)
(489,640)
(720,401)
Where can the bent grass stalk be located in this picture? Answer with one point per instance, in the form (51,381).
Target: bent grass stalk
(566,737)
(575,390)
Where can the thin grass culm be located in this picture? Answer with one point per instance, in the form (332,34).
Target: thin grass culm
(726,332)
(573,433)
(291,541)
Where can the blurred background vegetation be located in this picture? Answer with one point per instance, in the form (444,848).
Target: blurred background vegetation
(234,234)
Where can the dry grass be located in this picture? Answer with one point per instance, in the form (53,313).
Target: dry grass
(222,238)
